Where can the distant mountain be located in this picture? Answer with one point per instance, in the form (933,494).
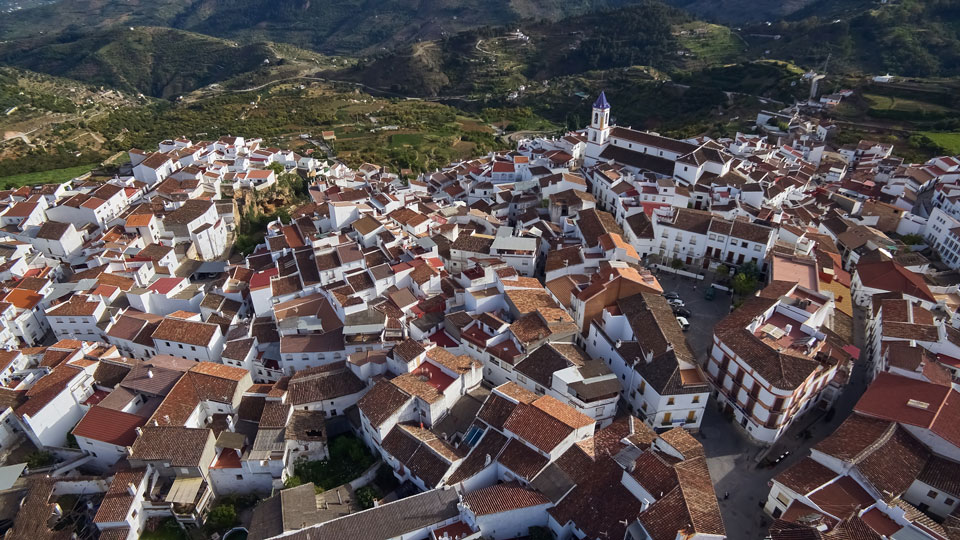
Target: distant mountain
(909,38)
(483,60)
(158,62)
(737,12)
(330,26)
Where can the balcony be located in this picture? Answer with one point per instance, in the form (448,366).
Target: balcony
(186,498)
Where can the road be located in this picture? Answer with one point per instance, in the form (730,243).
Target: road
(731,456)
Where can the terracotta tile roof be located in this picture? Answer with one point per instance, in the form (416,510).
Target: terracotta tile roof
(151,379)
(109,426)
(782,370)
(491,444)
(599,505)
(699,496)
(275,414)
(500,498)
(682,441)
(654,471)
(190,332)
(530,328)
(322,383)
(905,400)
(893,467)
(844,497)
(595,223)
(522,460)
(495,411)
(77,306)
(891,276)
(854,437)
(942,474)
(427,457)
(180,446)
(46,389)
(407,350)
(118,500)
(220,371)
(382,401)
(516,392)
(805,476)
(537,427)
(418,385)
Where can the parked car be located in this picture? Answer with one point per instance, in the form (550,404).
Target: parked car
(671,295)
(681,312)
(684,323)
(676,302)
(711,293)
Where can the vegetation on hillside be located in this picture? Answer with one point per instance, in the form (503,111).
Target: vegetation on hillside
(332,26)
(913,38)
(157,62)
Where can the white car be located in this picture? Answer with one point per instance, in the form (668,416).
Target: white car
(675,302)
(684,323)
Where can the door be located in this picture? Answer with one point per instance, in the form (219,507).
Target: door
(740,259)
(692,416)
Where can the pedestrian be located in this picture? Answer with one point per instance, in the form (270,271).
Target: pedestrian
(726,495)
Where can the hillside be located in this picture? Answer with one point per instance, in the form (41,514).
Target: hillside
(910,38)
(331,26)
(158,62)
(493,62)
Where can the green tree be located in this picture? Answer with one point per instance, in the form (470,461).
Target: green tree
(366,495)
(222,517)
(723,271)
(276,167)
(39,459)
(912,239)
(744,284)
(676,264)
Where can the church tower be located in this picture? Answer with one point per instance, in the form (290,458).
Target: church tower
(599,129)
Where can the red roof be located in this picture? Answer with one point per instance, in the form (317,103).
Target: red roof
(109,426)
(500,498)
(891,276)
(442,339)
(96,397)
(262,279)
(913,402)
(434,376)
(165,285)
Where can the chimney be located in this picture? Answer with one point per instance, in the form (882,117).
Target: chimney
(487,460)
(788,328)
(149,373)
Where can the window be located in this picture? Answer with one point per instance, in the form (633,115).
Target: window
(949,501)
(670,401)
(239,477)
(696,399)
(643,386)
(932,494)
(192,348)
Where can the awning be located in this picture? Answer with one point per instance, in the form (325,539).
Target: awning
(9,475)
(184,490)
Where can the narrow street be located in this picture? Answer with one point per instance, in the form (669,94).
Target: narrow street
(731,456)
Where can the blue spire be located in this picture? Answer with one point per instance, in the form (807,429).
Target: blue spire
(601,102)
